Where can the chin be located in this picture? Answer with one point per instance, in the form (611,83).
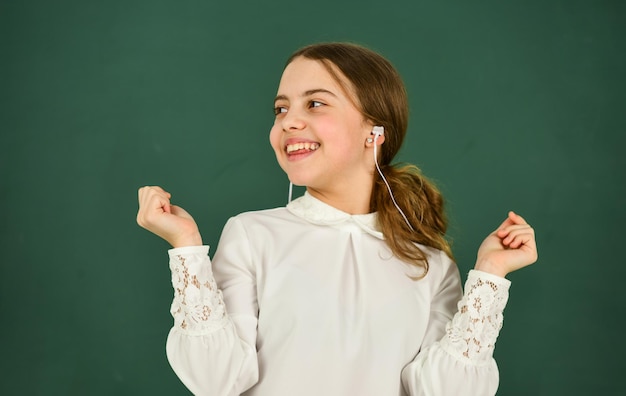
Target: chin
(300,179)
(300,182)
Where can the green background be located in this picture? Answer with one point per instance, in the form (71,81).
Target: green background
(514,105)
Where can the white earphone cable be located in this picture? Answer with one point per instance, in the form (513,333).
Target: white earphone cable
(387,184)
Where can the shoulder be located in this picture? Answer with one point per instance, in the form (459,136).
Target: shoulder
(441,268)
(258,221)
(252,230)
(265,216)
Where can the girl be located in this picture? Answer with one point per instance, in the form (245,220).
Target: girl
(351,288)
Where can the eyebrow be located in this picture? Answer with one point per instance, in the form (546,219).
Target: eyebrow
(306,93)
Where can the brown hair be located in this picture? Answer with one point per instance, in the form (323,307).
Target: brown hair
(381,97)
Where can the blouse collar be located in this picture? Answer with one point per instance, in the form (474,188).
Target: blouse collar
(317,212)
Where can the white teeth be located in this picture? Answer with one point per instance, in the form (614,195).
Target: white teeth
(302,146)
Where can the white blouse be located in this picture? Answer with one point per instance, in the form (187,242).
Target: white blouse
(308,300)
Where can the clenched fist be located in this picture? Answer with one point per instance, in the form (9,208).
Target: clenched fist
(510,247)
(172,223)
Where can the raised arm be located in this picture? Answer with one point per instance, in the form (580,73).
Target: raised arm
(460,361)
(204,347)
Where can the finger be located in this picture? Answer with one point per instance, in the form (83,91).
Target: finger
(147,191)
(180,212)
(526,244)
(512,231)
(506,223)
(508,230)
(507,227)
(520,237)
(519,240)
(160,190)
(159,200)
(512,219)
(152,201)
(516,219)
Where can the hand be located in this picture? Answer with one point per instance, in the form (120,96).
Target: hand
(510,247)
(172,223)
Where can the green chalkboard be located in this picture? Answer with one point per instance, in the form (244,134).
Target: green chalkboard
(514,105)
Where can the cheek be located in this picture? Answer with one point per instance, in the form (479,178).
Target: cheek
(275,135)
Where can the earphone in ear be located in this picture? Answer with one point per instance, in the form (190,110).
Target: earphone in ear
(378,131)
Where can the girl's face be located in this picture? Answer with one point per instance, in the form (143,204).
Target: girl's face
(319,136)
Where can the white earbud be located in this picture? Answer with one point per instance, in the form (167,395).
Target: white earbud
(378,131)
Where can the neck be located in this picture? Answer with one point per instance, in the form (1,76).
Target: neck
(350,200)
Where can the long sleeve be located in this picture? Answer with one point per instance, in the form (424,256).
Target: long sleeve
(203,347)
(308,300)
(461,362)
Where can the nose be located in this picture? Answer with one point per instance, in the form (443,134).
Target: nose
(293,121)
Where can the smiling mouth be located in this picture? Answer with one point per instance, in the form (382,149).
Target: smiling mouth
(302,147)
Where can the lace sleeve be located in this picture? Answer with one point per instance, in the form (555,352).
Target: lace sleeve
(472,333)
(198,306)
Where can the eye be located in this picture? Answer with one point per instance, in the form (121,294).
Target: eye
(279,110)
(315,103)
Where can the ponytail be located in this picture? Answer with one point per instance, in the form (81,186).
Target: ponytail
(422,204)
